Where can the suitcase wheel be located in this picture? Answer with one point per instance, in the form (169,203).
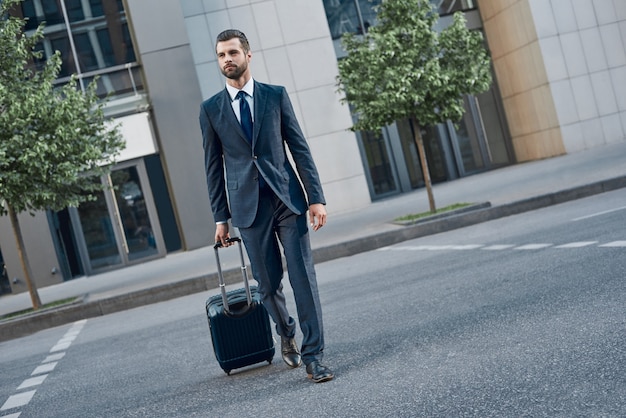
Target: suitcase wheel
(227,372)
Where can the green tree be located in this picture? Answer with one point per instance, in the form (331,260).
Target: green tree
(53,140)
(403,68)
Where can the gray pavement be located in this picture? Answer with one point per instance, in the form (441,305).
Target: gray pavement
(508,190)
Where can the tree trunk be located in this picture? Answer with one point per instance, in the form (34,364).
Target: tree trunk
(424,163)
(17,231)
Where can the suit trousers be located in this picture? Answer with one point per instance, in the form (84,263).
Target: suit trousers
(276,223)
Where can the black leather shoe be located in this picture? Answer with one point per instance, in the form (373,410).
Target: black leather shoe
(318,373)
(291,354)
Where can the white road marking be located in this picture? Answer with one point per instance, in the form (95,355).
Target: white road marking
(33,381)
(418,248)
(533,246)
(20,399)
(598,214)
(60,347)
(614,244)
(466,247)
(498,247)
(67,339)
(437,247)
(41,372)
(577,244)
(53,357)
(44,368)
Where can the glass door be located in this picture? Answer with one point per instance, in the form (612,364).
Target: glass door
(120,227)
(132,209)
(380,168)
(468,147)
(479,140)
(99,234)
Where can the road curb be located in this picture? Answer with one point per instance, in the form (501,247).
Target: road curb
(22,326)
(464,219)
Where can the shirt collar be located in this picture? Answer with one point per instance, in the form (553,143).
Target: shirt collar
(248,88)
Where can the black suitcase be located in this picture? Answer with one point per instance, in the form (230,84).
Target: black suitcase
(240,327)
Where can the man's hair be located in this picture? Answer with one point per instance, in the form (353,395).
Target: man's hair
(229,34)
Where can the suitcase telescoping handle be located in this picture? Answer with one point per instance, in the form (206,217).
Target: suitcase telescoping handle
(244,272)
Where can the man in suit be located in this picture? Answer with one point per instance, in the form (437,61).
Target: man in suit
(245,129)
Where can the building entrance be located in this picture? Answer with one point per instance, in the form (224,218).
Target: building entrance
(477,143)
(120,227)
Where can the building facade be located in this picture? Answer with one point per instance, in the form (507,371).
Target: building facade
(559,86)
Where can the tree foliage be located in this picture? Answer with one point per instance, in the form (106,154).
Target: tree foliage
(50,137)
(53,140)
(403,68)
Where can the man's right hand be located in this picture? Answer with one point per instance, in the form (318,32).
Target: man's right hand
(221,234)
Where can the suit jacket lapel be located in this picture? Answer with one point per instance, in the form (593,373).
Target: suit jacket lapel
(260,99)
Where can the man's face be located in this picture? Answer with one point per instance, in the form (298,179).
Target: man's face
(233,61)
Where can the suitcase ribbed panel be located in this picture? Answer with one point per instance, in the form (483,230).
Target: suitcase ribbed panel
(243,340)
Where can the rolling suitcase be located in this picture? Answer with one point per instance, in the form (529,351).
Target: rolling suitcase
(240,327)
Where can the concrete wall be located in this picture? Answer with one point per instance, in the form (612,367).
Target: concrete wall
(164,52)
(561,67)
(583,44)
(291,46)
(520,69)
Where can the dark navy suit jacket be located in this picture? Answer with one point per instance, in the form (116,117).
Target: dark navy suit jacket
(225,145)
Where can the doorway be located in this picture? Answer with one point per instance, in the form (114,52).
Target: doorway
(477,143)
(380,171)
(120,226)
(5,284)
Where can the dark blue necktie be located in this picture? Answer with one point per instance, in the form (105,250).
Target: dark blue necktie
(245,115)
(246,124)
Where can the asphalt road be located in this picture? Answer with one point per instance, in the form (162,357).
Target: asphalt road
(522,316)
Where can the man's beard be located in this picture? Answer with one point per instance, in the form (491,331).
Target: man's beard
(235,73)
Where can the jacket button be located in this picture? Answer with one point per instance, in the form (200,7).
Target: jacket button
(255,157)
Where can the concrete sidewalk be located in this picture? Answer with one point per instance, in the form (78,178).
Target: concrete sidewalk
(509,190)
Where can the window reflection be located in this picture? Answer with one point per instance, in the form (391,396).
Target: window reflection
(62,44)
(102,45)
(353,16)
(446,7)
(378,162)
(133,212)
(368,13)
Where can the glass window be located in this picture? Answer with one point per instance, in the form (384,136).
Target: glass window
(28,11)
(446,7)
(106,49)
(353,16)
(99,232)
(128,42)
(342,17)
(133,212)
(101,41)
(379,164)
(368,14)
(74,10)
(86,54)
(468,144)
(61,43)
(96,8)
(52,14)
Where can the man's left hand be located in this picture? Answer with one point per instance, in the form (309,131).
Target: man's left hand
(317,216)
